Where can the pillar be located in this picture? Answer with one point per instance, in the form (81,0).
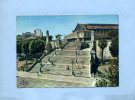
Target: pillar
(48,44)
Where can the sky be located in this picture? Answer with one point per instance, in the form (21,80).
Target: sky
(57,24)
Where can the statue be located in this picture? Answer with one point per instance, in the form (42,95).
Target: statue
(48,44)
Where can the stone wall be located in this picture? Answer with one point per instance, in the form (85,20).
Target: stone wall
(107,51)
(107,54)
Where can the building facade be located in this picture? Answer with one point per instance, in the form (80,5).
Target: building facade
(38,33)
(88,33)
(27,35)
(84,32)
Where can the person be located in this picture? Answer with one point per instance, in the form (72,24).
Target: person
(72,62)
(76,52)
(41,69)
(73,73)
(22,67)
(52,62)
(48,59)
(67,67)
(76,60)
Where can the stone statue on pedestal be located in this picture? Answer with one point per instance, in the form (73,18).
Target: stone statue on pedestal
(48,44)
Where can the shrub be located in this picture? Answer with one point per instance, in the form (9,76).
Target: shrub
(110,78)
(21,58)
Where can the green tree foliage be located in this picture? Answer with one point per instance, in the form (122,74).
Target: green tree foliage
(39,46)
(58,37)
(19,50)
(32,47)
(102,44)
(111,78)
(114,48)
(25,47)
(44,38)
(113,33)
(50,37)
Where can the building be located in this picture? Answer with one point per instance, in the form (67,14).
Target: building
(27,35)
(19,37)
(38,33)
(86,33)
(30,35)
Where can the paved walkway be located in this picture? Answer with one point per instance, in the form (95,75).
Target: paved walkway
(88,81)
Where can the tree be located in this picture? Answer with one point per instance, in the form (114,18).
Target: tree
(113,33)
(111,78)
(19,43)
(44,38)
(102,44)
(32,47)
(114,49)
(39,45)
(50,37)
(58,37)
(25,47)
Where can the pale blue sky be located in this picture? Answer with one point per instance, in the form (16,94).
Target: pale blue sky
(60,24)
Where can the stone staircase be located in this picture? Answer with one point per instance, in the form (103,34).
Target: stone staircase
(63,59)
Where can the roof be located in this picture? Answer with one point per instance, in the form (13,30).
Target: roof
(96,26)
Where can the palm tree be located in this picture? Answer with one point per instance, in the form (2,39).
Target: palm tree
(58,37)
(102,44)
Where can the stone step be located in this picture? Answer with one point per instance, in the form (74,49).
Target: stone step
(59,72)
